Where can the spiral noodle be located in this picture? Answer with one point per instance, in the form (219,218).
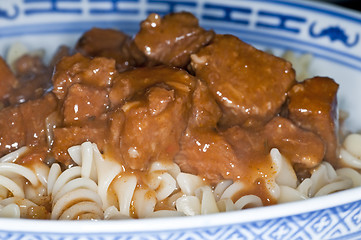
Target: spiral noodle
(25,185)
(74,192)
(199,198)
(159,186)
(351,151)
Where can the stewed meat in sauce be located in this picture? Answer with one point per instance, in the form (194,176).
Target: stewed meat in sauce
(8,81)
(113,44)
(31,80)
(83,104)
(201,146)
(303,148)
(172,39)
(249,85)
(156,104)
(98,72)
(312,105)
(213,104)
(24,124)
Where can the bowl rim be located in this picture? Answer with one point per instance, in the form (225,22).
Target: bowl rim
(169,224)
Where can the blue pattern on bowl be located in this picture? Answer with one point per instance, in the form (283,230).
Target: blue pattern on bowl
(341,222)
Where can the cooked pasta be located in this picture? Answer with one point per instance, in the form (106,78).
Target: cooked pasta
(351,151)
(99,188)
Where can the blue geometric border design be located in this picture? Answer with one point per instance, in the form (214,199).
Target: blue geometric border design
(329,223)
(299,4)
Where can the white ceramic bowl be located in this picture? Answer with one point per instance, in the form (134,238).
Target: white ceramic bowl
(330,34)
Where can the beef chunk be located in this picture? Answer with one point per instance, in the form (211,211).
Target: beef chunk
(250,85)
(34,114)
(155,114)
(172,39)
(243,154)
(128,83)
(98,72)
(25,124)
(29,64)
(67,137)
(312,105)
(12,130)
(204,152)
(152,127)
(205,111)
(303,149)
(116,119)
(159,99)
(84,103)
(34,79)
(8,80)
(111,43)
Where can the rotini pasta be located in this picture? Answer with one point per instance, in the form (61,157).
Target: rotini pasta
(100,188)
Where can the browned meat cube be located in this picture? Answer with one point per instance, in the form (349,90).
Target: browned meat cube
(159,99)
(250,85)
(34,113)
(98,72)
(64,138)
(116,120)
(172,39)
(203,150)
(243,154)
(111,43)
(206,153)
(28,64)
(303,148)
(249,146)
(313,106)
(143,129)
(155,113)
(8,80)
(83,103)
(12,130)
(25,124)
(128,83)
(34,79)
(205,111)
(153,126)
